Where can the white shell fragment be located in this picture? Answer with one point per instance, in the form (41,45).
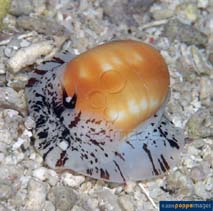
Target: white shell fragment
(28,55)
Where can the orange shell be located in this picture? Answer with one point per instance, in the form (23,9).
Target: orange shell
(124,82)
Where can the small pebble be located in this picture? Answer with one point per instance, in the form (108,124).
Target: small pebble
(18,143)
(201,192)
(40,173)
(206,166)
(192,150)
(5,136)
(197,174)
(175,30)
(71,180)
(126,203)
(5,191)
(29,123)
(180,184)
(40,6)
(37,192)
(200,124)
(86,187)
(10,173)
(198,143)
(119,12)
(48,206)
(206,152)
(41,24)
(24,43)
(161,11)
(9,125)
(9,98)
(63,198)
(3,207)
(17,81)
(109,199)
(209,185)
(187,12)
(21,7)
(206,94)
(89,202)
(8,52)
(2,68)
(45,174)
(202,3)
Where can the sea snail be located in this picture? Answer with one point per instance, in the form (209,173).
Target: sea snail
(101,113)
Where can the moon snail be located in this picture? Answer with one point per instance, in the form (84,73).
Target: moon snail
(101,114)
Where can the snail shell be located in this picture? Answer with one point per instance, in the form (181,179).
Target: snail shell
(101,113)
